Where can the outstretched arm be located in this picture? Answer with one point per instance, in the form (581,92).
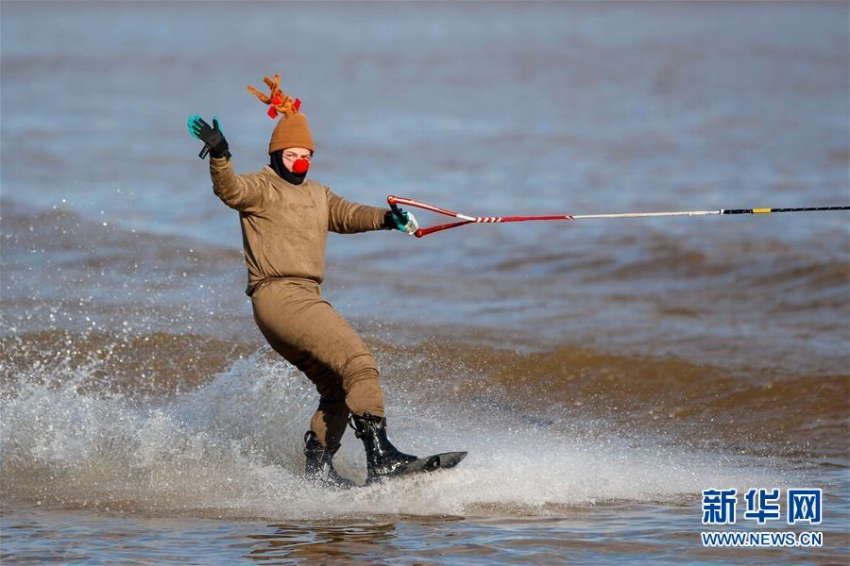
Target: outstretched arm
(346,217)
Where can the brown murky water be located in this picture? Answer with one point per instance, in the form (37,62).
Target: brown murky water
(602,374)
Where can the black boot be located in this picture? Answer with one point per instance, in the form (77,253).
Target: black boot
(382,458)
(319,467)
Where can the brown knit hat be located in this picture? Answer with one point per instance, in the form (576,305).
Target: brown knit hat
(292,129)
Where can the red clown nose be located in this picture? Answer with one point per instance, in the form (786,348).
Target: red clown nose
(300,166)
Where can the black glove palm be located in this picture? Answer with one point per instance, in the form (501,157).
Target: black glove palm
(214,142)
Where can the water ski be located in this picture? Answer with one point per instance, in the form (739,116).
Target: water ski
(431,463)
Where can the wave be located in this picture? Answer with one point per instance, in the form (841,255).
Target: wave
(190,424)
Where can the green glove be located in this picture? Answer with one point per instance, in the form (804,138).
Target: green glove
(214,142)
(405,222)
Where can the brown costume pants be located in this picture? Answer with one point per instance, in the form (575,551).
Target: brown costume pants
(307,331)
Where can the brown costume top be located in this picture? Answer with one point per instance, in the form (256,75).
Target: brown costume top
(284,226)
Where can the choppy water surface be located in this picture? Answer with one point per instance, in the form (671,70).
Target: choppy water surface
(602,373)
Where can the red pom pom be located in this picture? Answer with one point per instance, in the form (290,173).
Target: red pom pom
(300,166)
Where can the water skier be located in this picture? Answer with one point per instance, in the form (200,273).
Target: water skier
(285,220)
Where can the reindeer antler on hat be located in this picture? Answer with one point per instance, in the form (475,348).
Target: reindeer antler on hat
(277,100)
(292,130)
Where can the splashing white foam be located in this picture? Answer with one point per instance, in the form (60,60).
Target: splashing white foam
(233,447)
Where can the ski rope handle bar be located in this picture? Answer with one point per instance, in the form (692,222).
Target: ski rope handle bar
(463,219)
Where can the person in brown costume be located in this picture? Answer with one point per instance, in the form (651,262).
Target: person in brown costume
(285,220)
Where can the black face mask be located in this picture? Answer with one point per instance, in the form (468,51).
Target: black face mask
(276,163)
